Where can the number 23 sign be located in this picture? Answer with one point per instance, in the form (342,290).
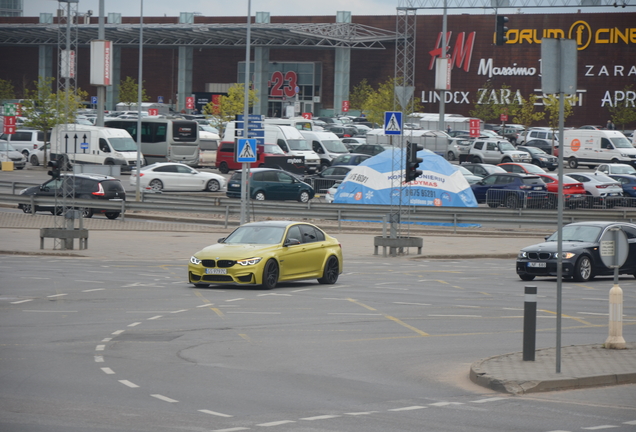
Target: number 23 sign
(283,85)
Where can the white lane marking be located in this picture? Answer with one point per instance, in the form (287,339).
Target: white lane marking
(214,413)
(456,316)
(633,422)
(108,371)
(361,413)
(600,427)
(155,317)
(55,311)
(118,332)
(56,295)
(488,400)
(276,423)
(351,313)
(164,398)
(231,429)
(416,304)
(595,299)
(134,324)
(96,289)
(441,404)
(592,313)
(519,309)
(274,294)
(258,313)
(205,305)
(236,299)
(416,407)
(33,277)
(179,311)
(99,359)
(301,290)
(517,316)
(129,384)
(21,301)
(464,306)
(558,431)
(88,281)
(107,339)
(322,417)
(100,347)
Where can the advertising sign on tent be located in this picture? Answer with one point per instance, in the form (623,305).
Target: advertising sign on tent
(440,185)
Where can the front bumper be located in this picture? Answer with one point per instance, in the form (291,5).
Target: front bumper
(235,275)
(527,267)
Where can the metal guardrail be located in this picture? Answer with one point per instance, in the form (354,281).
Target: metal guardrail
(445,216)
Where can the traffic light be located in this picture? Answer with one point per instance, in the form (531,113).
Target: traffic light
(502,30)
(412,162)
(55,169)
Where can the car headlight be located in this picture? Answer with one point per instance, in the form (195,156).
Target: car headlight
(542,159)
(195,260)
(249,261)
(566,255)
(523,255)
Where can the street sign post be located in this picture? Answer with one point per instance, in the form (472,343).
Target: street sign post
(393,123)
(246,150)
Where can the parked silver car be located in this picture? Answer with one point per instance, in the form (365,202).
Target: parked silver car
(9,154)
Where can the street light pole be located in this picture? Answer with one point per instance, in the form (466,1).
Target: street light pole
(139,92)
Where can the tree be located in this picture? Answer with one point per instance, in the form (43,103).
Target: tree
(129,92)
(359,95)
(551,107)
(622,113)
(381,100)
(6,90)
(526,114)
(44,108)
(229,106)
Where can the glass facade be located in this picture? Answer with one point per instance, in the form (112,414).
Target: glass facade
(11,8)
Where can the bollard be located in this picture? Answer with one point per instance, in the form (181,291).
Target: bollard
(529,322)
(615,339)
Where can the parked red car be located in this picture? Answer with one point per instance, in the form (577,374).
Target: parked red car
(574,194)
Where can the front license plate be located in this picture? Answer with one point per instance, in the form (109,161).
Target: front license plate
(235,185)
(536,264)
(215,271)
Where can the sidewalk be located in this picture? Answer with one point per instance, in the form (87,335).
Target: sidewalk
(144,237)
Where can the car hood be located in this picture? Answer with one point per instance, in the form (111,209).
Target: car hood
(234,251)
(552,246)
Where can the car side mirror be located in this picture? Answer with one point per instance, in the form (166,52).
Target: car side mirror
(221,240)
(291,242)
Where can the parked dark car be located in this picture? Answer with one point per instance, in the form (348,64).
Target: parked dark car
(372,149)
(81,186)
(628,182)
(512,190)
(581,259)
(541,158)
(483,170)
(543,144)
(271,184)
(350,159)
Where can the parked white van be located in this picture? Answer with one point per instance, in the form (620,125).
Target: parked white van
(592,147)
(288,138)
(93,145)
(327,146)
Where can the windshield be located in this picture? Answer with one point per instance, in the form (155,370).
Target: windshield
(603,178)
(623,169)
(335,146)
(5,146)
(534,150)
(256,235)
(582,233)
(125,144)
(505,146)
(621,142)
(273,149)
(464,170)
(299,145)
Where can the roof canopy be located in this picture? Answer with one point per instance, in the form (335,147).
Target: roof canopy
(347,35)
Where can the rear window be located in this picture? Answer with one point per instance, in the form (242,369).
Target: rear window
(112,186)
(185,131)
(531,180)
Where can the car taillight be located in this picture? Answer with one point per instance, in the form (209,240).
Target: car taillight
(141,174)
(601,186)
(100,191)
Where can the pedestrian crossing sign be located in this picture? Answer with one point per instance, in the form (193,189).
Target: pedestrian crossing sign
(393,123)
(246,150)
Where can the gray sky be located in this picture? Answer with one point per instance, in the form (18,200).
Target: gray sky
(221,7)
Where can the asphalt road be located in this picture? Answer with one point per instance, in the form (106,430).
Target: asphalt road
(126,344)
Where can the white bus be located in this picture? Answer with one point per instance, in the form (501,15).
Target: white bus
(163,139)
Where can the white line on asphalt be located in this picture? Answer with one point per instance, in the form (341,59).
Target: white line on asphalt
(231,429)
(592,313)
(205,305)
(520,309)
(416,407)
(488,400)
(596,299)
(463,306)
(348,313)
(118,332)
(134,324)
(96,289)
(517,316)
(99,359)
(107,339)
(57,295)
(164,398)
(214,413)
(129,384)
(21,301)
(258,313)
(633,422)
(334,298)
(155,317)
(456,316)
(33,277)
(274,294)
(416,304)
(108,371)
(236,299)
(600,427)
(322,417)
(558,431)
(179,311)
(441,404)
(361,413)
(88,281)
(100,347)
(301,290)
(55,311)
(276,423)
